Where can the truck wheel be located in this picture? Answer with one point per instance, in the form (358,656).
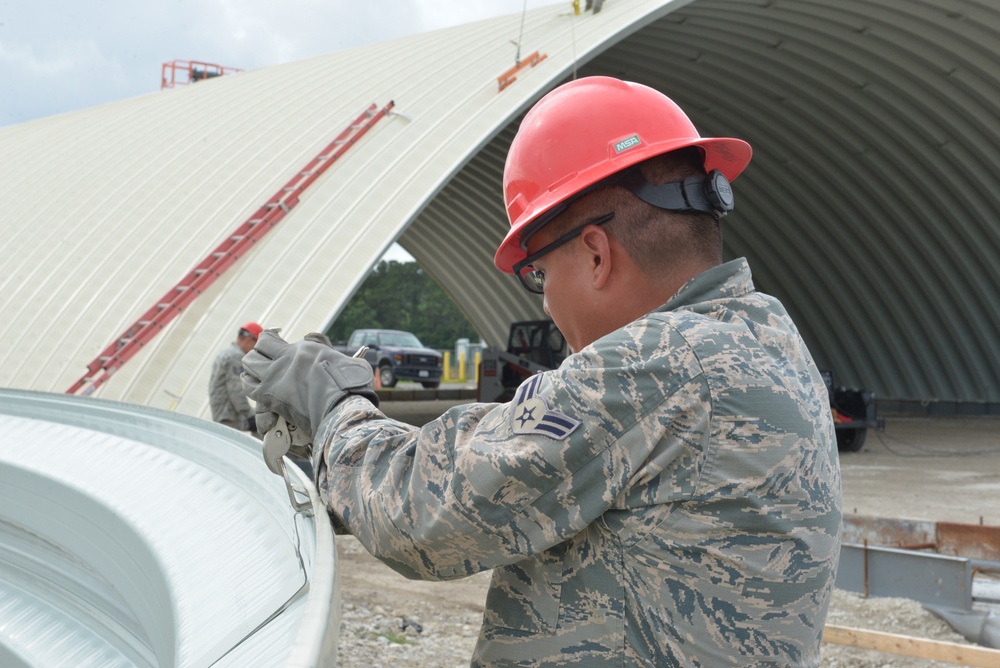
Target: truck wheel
(850,440)
(386,376)
(431,385)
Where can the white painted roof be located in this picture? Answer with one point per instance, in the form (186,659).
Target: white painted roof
(869,207)
(115,204)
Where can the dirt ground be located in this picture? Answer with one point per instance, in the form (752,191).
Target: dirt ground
(932,469)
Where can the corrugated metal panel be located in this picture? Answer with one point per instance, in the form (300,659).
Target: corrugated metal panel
(136,537)
(868,207)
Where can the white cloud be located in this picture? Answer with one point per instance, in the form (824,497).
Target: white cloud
(57,56)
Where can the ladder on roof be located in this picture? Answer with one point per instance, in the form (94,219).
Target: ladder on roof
(171,74)
(510,76)
(143,330)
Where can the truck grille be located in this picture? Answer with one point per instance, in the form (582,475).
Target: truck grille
(422,361)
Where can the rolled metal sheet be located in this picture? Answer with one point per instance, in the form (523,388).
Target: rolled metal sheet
(132,536)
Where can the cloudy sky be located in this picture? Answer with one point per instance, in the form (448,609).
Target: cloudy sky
(58,56)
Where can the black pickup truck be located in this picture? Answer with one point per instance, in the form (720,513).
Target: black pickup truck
(396,355)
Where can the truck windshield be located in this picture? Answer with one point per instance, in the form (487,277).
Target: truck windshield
(400,339)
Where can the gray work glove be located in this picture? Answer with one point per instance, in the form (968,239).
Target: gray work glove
(301,381)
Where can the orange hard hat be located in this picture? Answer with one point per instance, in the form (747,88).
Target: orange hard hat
(583,132)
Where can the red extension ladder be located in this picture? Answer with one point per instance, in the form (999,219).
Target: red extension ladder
(239,242)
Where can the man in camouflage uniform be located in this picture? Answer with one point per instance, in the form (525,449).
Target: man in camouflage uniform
(670,495)
(225,391)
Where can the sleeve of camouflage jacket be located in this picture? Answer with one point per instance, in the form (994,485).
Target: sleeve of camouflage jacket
(489,484)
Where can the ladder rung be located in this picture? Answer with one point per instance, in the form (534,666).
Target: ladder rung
(141,332)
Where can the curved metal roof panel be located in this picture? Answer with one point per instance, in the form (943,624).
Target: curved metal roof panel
(139,537)
(868,207)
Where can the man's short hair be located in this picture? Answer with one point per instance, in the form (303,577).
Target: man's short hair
(650,235)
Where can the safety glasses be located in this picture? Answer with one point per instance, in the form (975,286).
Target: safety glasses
(533,279)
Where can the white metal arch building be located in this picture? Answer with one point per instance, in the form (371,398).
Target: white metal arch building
(869,208)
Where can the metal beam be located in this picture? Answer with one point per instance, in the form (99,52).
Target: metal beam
(925,577)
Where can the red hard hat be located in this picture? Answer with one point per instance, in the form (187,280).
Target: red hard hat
(589,129)
(254,329)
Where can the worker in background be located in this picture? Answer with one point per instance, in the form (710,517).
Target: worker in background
(595,4)
(670,495)
(225,391)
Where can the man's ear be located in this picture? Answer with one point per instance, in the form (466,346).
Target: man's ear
(597,247)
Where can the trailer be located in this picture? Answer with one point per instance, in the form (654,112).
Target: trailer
(533,346)
(854,413)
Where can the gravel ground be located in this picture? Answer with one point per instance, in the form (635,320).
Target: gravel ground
(891,615)
(922,469)
(389,621)
(375,637)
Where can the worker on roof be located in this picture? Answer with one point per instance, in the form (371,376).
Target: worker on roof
(670,495)
(225,391)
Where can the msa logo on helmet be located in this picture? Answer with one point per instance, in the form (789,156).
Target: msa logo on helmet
(626,144)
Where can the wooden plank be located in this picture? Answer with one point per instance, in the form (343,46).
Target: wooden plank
(922,648)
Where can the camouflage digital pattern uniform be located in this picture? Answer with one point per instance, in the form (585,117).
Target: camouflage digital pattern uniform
(225,389)
(670,496)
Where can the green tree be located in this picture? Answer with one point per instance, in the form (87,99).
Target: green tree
(400,295)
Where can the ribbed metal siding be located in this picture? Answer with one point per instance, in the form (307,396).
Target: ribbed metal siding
(868,208)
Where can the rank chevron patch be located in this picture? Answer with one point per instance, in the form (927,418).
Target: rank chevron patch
(529,414)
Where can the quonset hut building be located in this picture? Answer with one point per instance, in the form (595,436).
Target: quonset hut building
(870,207)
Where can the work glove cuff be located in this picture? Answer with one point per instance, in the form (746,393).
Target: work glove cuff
(352,376)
